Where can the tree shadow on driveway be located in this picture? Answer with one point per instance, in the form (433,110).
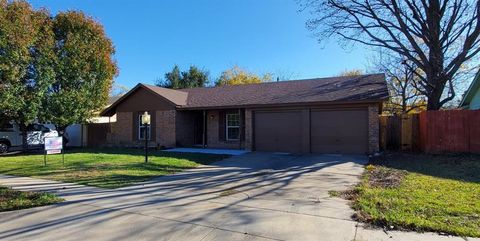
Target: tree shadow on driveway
(266,185)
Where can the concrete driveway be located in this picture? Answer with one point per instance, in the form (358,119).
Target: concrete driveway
(256,196)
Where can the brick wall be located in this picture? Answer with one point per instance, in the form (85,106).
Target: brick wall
(213,140)
(121,132)
(165,128)
(248,130)
(373,129)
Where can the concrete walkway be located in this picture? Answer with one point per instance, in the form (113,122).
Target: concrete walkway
(257,196)
(231,152)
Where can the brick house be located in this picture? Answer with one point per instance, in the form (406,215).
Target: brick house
(325,115)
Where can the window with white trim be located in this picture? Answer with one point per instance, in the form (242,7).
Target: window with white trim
(141,129)
(233,126)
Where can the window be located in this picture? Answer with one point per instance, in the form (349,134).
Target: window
(233,127)
(6,127)
(141,129)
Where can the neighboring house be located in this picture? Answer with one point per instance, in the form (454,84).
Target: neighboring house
(326,115)
(77,133)
(471,98)
(106,119)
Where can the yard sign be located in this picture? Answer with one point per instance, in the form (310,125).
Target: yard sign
(53,145)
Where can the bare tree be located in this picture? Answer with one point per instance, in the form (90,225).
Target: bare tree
(436,36)
(402,83)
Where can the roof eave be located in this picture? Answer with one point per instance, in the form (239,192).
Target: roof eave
(471,90)
(373,101)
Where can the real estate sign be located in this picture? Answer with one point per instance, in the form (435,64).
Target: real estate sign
(53,145)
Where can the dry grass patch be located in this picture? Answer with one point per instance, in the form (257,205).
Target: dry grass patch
(14,200)
(421,192)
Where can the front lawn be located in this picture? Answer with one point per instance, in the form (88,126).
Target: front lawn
(107,168)
(422,192)
(14,200)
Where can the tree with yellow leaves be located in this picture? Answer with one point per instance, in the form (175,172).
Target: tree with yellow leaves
(238,76)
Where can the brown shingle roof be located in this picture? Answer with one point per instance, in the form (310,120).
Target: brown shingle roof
(342,89)
(335,89)
(177,97)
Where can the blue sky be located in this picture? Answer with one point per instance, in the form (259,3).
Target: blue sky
(261,36)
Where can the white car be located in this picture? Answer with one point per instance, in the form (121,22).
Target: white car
(11,136)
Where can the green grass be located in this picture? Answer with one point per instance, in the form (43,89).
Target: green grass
(14,200)
(438,193)
(107,168)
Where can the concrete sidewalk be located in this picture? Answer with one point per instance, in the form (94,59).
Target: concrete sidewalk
(257,196)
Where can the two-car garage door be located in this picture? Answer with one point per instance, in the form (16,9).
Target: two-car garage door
(311,130)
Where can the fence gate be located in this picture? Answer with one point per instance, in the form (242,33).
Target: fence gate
(399,132)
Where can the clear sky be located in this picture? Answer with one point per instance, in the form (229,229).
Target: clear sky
(259,35)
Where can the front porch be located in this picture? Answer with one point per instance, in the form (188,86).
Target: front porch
(213,129)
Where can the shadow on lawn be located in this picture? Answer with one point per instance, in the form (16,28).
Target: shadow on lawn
(462,167)
(106,167)
(201,158)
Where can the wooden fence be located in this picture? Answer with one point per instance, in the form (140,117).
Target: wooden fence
(432,131)
(450,131)
(400,132)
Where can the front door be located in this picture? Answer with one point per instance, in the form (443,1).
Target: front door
(198,126)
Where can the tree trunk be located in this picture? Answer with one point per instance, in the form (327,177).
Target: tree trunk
(435,91)
(434,98)
(404,100)
(61,132)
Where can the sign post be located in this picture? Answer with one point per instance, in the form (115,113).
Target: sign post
(53,145)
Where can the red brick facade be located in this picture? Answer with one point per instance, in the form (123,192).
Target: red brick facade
(176,128)
(165,128)
(193,117)
(213,133)
(121,134)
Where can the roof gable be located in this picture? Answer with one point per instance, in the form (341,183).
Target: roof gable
(171,97)
(472,89)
